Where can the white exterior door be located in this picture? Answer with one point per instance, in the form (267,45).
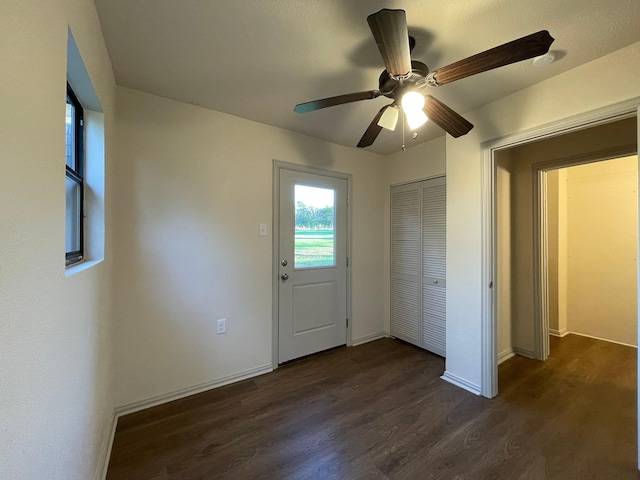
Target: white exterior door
(312,293)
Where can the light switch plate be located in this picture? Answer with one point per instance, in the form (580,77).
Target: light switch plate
(262,230)
(221,326)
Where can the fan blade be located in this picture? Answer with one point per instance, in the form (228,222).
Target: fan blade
(451,122)
(515,51)
(389,28)
(374,129)
(332,101)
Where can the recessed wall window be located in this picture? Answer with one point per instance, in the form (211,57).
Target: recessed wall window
(75,179)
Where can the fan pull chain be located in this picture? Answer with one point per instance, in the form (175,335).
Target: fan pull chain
(403,119)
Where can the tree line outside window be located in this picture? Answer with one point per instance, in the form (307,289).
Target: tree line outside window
(312,218)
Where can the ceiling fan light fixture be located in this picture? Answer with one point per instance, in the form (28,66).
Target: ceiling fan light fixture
(412,102)
(389,118)
(416,118)
(404,79)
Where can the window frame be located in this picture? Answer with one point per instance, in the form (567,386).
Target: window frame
(77,174)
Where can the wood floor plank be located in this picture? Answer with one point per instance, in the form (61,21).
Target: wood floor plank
(380,411)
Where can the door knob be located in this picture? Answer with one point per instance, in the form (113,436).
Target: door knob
(284,263)
(284,276)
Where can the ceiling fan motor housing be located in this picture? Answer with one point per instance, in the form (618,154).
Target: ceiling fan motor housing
(388,86)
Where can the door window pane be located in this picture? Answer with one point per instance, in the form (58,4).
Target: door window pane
(314,232)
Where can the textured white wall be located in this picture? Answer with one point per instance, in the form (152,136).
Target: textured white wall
(55,381)
(553,245)
(425,160)
(193,186)
(562,251)
(503,277)
(582,89)
(602,237)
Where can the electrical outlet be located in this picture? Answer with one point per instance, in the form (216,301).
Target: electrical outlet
(221,326)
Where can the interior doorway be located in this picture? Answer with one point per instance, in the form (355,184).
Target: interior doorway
(524,175)
(589,217)
(490,265)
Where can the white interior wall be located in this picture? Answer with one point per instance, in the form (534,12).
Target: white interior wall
(522,301)
(552,192)
(193,186)
(585,88)
(504,239)
(562,252)
(56,407)
(601,231)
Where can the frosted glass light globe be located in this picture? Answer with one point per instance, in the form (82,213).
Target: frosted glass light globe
(412,102)
(416,119)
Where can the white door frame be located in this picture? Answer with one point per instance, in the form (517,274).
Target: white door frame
(489,325)
(275,228)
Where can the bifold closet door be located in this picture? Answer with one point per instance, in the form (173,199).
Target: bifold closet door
(418,264)
(406,264)
(434,265)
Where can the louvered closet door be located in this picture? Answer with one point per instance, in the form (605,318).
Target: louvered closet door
(434,265)
(406,265)
(418,264)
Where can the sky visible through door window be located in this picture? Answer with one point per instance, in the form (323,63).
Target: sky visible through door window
(314,232)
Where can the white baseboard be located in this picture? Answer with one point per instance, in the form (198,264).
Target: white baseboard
(105,451)
(369,338)
(603,339)
(559,333)
(187,392)
(506,355)
(523,352)
(461,382)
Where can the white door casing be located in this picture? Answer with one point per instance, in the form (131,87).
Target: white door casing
(312,291)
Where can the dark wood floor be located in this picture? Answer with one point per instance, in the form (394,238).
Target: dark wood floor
(380,411)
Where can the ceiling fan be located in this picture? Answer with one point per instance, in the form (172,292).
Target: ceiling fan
(404,79)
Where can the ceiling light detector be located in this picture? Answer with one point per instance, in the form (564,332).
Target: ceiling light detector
(544,60)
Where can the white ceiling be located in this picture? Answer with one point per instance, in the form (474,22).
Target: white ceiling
(258,58)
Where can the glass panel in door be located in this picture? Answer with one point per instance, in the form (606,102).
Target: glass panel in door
(314,229)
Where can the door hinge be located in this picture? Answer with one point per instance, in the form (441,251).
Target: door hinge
(347,261)
(347,323)
(347,200)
